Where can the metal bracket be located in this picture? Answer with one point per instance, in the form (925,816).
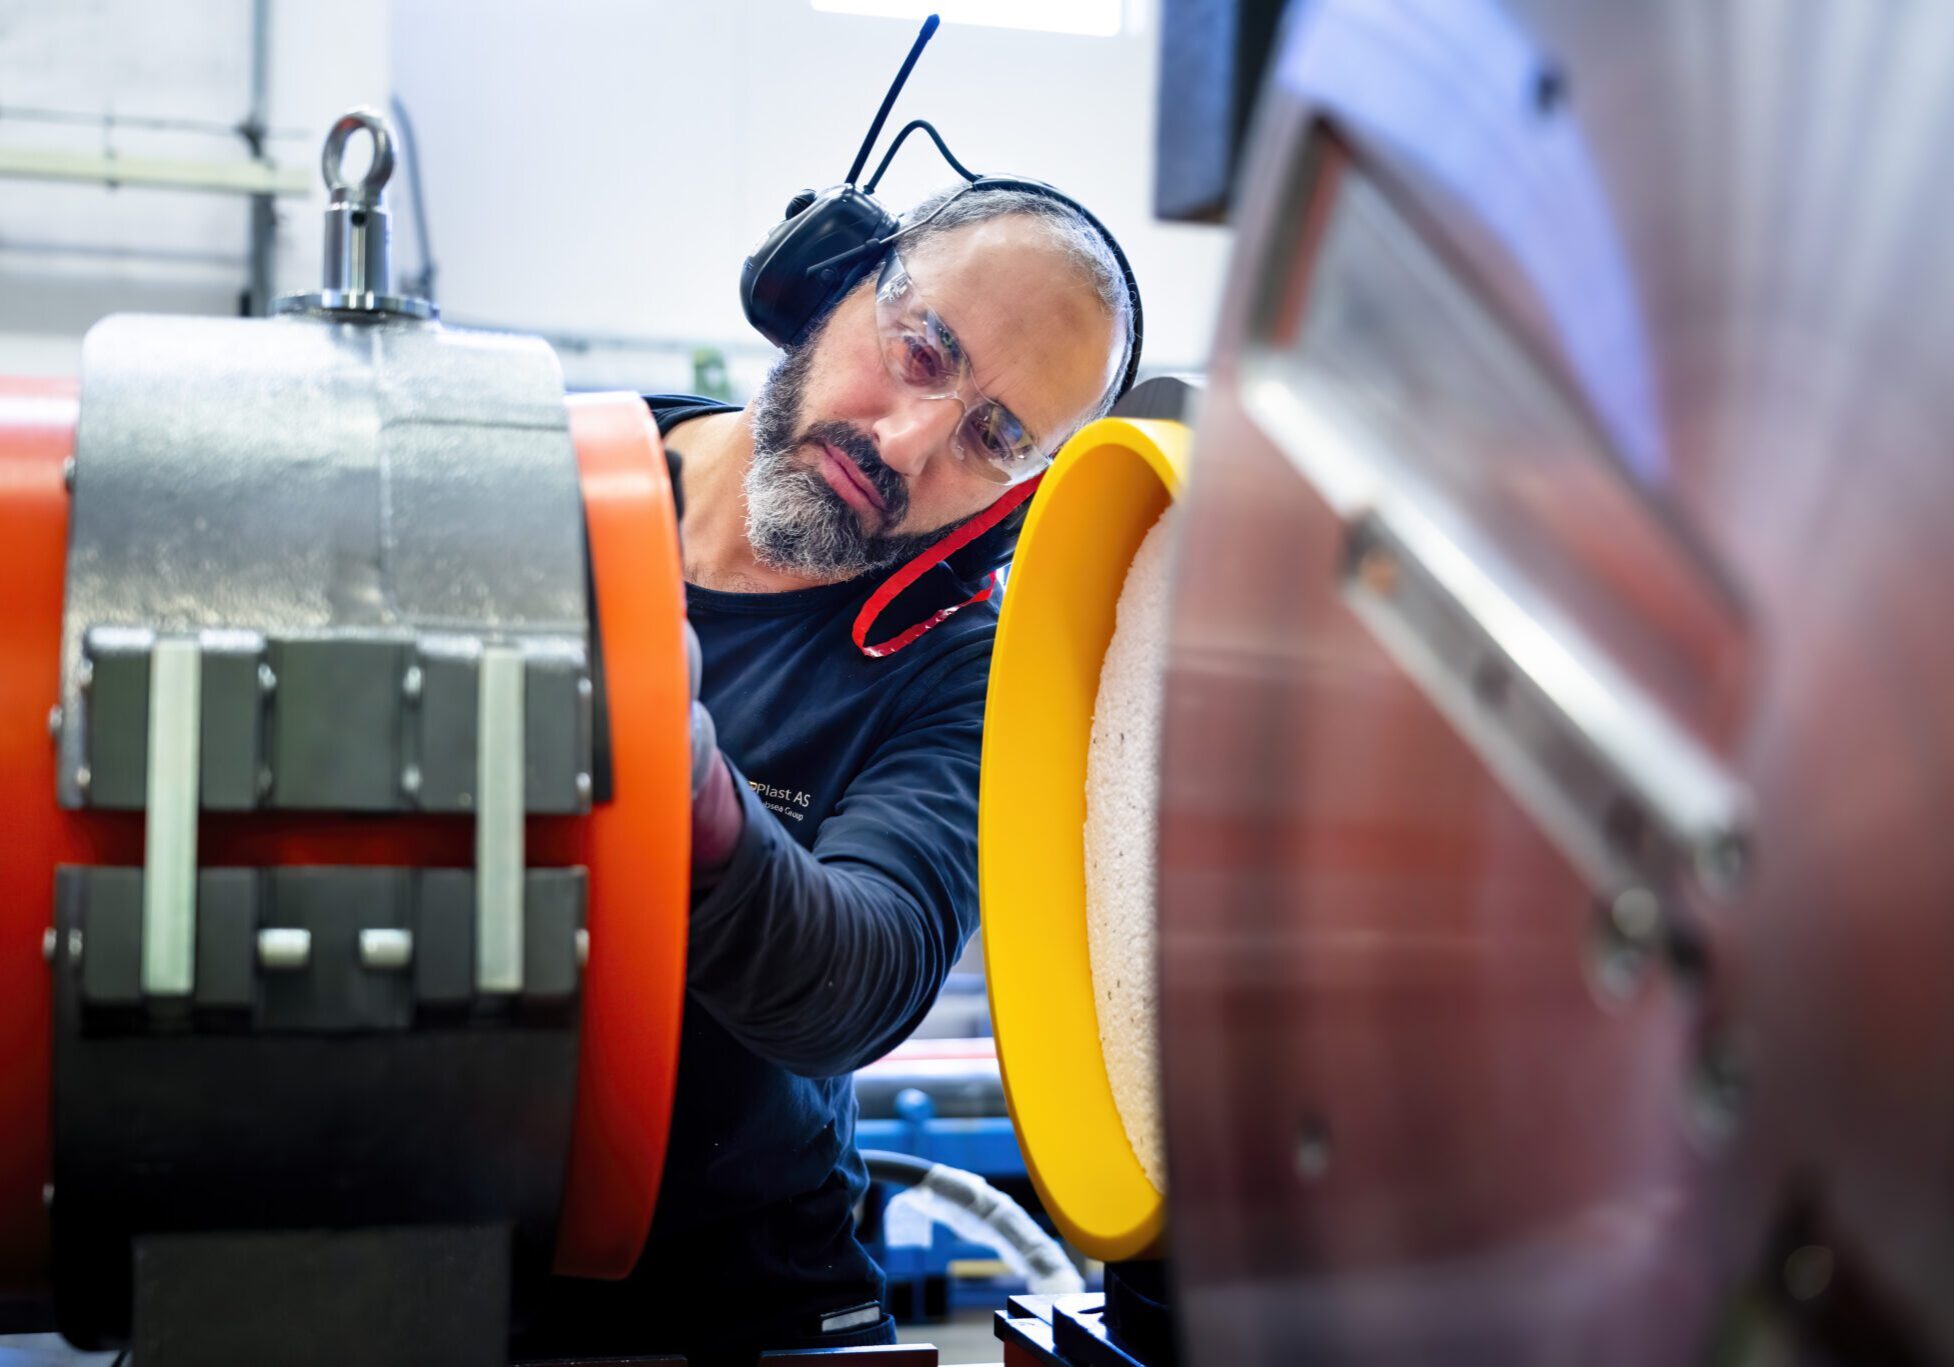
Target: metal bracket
(169,889)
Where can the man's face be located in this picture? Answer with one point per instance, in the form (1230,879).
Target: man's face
(853,470)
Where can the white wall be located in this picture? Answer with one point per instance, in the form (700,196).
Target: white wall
(601,167)
(595,169)
(180,59)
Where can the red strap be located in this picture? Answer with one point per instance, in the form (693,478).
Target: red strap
(892,587)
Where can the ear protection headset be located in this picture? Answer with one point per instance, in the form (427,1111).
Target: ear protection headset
(827,242)
(830,239)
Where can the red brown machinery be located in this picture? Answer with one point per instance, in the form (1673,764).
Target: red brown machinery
(1555,910)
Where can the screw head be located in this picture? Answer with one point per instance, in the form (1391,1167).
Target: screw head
(74,947)
(55,717)
(1377,570)
(1808,1271)
(410,780)
(412,682)
(84,778)
(585,689)
(267,679)
(584,789)
(50,942)
(1313,1149)
(583,947)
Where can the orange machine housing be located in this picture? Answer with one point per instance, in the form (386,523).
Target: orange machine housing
(636,846)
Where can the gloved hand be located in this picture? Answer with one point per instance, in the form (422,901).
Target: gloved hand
(717,817)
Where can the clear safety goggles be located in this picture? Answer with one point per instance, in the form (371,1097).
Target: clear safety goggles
(924,356)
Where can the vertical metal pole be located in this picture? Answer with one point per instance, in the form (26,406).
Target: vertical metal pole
(264,213)
(500,800)
(169,884)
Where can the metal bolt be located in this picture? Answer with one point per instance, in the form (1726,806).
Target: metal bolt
(1808,1271)
(1377,570)
(84,778)
(412,682)
(50,942)
(55,717)
(1313,1150)
(386,947)
(583,947)
(410,780)
(284,948)
(584,789)
(68,474)
(585,689)
(267,679)
(1723,862)
(1627,939)
(1719,1085)
(74,947)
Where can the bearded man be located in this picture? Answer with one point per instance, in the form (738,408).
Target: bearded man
(840,535)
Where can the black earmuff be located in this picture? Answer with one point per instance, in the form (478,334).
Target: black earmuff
(813,256)
(832,238)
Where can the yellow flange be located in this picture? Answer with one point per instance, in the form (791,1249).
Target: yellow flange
(1107,488)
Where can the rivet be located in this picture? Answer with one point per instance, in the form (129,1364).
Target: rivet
(1377,570)
(412,682)
(1808,1271)
(267,680)
(74,946)
(55,716)
(583,947)
(68,474)
(84,778)
(584,789)
(410,780)
(1313,1150)
(50,942)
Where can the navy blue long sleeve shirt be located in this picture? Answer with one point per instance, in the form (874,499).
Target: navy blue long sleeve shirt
(819,946)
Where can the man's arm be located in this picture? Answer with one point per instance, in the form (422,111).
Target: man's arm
(823,960)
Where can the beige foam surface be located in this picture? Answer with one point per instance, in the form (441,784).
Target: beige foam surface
(1122,805)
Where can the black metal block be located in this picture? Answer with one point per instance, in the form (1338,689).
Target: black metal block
(426,1295)
(232,706)
(445,729)
(111,939)
(336,725)
(556,734)
(227,938)
(118,718)
(552,914)
(444,938)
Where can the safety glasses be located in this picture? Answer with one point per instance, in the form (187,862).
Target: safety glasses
(924,356)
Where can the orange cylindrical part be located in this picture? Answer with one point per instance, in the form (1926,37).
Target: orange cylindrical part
(37,435)
(640,844)
(636,847)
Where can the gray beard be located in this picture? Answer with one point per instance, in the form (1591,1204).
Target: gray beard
(794,521)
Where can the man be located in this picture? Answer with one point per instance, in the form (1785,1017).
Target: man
(834,874)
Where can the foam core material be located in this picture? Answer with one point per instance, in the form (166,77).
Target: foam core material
(1122,802)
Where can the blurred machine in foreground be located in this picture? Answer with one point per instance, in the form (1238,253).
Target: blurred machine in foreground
(1555,934)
